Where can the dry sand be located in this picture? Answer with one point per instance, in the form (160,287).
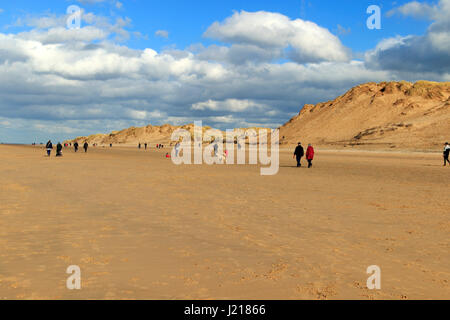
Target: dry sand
(142,228)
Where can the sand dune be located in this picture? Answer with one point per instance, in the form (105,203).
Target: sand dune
(396,115)
(140,227)
(387,115)
(149,134)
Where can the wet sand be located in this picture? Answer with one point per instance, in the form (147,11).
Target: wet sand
(140,227)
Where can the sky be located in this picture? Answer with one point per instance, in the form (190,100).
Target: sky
(227,63)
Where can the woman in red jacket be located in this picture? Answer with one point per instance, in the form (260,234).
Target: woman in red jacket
(310,155)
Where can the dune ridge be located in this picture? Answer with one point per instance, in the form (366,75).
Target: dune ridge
(372,115)
(388,115)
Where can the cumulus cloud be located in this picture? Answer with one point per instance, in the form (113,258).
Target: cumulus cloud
(52,28)
(415,9)
(427,53)
(305,40)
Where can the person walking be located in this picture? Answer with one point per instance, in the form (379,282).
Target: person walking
(59,148)
(75,145)
(310,155)
(216,149)
(145,145)
(446,153)
(299,153)
(85,146)
(49,147)
(177,149)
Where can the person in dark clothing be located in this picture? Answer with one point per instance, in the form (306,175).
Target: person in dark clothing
(110,145)
(446,153)
(85,146)
(75,145)
(59,148)
(139,145)
(299,153)
(49,147)
(145,145)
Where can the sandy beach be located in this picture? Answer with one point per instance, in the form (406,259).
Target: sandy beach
(141,227)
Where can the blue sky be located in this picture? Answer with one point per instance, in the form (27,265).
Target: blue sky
(228,63)
(188,20)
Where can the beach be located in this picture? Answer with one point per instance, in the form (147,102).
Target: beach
(140,227)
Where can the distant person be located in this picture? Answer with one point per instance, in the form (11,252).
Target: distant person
(216,149)
(49,147)
(139,145)
(224,155)
(85,146)
(145,146)
(75,145)
(299,153)
(59,148)
(310,155)
(446,153)
(177,149)
(110,145)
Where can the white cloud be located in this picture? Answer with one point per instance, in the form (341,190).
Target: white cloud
(162,33)
(427,53)
(415,9)
(52,28)
(268,30)
(233,105)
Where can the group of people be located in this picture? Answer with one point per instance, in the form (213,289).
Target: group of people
(59,148)
(158,146)
(300,152)
(49,147)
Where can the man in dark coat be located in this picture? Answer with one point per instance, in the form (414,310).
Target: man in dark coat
(75,145)
(59,148)
(299,153)
(49,147)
